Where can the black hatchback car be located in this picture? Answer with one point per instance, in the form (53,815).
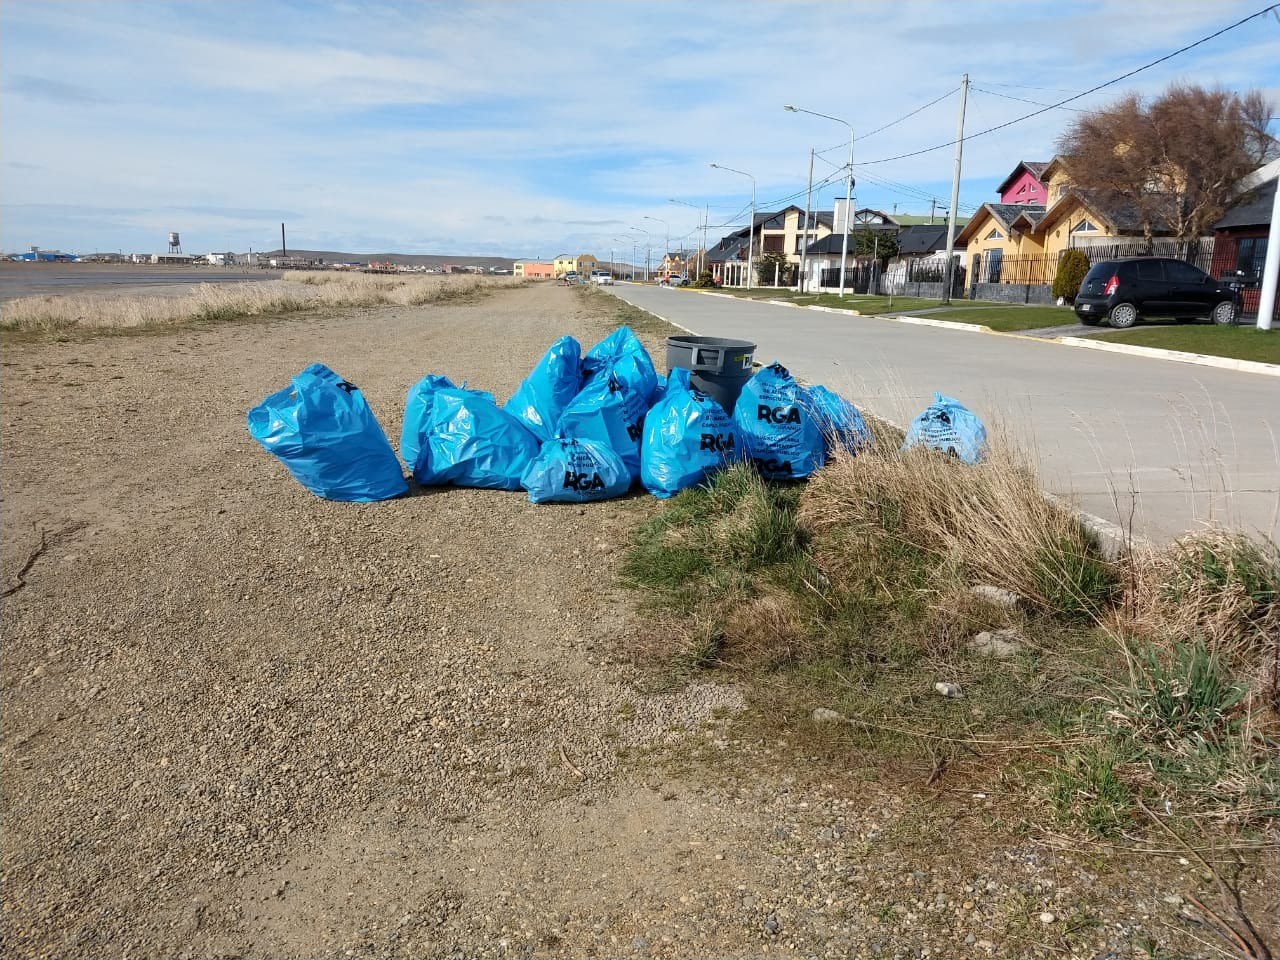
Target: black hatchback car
(1122,291)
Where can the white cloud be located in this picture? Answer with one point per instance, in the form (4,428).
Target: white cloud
(421,124)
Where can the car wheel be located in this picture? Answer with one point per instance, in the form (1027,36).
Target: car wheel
(1123,316)
(1224,314)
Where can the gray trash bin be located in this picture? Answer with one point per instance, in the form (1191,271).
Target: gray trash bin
(718,367)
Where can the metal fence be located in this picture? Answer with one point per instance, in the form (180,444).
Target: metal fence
(1032,273)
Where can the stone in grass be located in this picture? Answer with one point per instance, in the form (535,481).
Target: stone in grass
(823,715)
(1000,644)
(997,595)
(951,690)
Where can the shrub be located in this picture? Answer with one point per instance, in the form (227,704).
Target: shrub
(1071,270)
(706,280)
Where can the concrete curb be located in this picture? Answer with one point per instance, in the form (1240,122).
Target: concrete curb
(1204,360)
(946,324)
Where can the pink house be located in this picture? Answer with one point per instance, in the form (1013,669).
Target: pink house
(1024,184)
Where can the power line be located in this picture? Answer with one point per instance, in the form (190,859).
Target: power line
(892,123)
(1006,96)
(1113,81)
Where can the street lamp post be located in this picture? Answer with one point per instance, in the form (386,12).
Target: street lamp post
(848,192)
(706,215)
(751,231)
(647,248)
(666,226)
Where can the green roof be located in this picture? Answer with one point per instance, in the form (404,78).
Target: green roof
(914,220)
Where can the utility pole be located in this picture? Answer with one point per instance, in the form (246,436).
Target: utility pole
(804,243)
(1270,267)
(284,250)
(955,191)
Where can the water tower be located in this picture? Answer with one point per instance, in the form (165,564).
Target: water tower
(175,244)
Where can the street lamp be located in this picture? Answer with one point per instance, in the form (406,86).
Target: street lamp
(706,216)
(848,192)
(646,250)
(632,241)
(668,229)
(751,231)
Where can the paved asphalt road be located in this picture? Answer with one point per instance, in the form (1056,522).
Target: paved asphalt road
(45,279)
(1175,443)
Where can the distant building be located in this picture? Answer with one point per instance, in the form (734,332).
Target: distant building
(173,259)
(221,259)
(37,255)
(534,270)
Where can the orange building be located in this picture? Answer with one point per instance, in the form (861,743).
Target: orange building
(533,271)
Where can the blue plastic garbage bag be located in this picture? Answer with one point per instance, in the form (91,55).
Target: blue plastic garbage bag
(622,354)
(323,431)
(841,424)
(575,471)
(553,382)
(687,438)
(779,433)
(948,425)
(417,411)
(472,442)
(608,411)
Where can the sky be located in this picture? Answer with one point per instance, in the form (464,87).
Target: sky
(528,130)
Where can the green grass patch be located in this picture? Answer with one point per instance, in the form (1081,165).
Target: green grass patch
(1238,343)
(866,305)
(851,592)
(1006,319)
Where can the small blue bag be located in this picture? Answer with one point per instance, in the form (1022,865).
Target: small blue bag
(841,424)
(687,438)
(608,411)
(471,442)
(323,431)
(779,434)
(417,412)
(575,471)
(622,354)
(543,395)
(948,425)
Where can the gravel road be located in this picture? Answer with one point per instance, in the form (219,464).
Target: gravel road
(239,721)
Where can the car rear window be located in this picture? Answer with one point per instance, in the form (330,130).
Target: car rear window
(1101,270)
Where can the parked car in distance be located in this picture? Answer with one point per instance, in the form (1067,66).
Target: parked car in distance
(602,277)
(570,277)
(1124,291)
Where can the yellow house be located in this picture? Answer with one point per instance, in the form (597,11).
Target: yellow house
(1022,243)
(997,233)
(582,264)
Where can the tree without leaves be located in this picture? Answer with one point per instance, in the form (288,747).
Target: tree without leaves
(1176,162)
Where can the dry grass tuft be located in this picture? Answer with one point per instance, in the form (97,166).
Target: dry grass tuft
(991,522)
(210,302)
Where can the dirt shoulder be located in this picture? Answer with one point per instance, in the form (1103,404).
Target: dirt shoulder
(242,721)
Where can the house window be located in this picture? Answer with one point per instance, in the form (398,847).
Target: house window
(994,235)
(994,259)
(1084,226)
(774,244)
(1251,252)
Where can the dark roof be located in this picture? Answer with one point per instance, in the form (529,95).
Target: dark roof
(1034,167)
(924,238)
(1006,213)
(834,243)
(729,248)
(1254,210)
(764,216)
